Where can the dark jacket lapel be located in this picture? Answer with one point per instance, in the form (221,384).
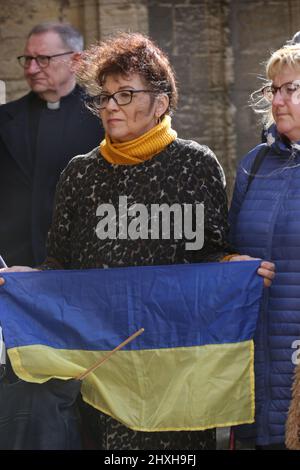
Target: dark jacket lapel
(14,132)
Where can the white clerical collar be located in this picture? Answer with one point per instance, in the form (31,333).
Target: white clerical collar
(55,105)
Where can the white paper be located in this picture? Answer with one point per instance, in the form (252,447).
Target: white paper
(2,349)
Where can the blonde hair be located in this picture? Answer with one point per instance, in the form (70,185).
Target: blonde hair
(289,56)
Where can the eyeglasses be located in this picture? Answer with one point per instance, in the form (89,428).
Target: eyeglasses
(121,98)
(41,60)
(286,90)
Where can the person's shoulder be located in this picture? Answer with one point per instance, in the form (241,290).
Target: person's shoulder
(14,104)
(188,144)
(191,148)
(247,164)
(198,158)
(81,164)
(13,107)
(85,159)
(79,168)
(248,159)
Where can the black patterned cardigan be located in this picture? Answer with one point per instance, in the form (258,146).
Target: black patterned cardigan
(184,173)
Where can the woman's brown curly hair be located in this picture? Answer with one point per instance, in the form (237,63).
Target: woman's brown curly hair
(124,54)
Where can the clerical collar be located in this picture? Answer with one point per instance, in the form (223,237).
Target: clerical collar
(55,105)
(50,105)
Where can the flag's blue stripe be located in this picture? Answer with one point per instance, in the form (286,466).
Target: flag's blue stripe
(178,305)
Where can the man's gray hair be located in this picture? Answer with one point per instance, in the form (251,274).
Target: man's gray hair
(70,36)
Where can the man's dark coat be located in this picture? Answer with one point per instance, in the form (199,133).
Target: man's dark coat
(27,183)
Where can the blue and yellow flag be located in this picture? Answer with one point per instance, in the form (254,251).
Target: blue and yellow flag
(191,369)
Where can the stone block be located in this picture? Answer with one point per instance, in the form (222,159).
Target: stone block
(122,16)
(161,21)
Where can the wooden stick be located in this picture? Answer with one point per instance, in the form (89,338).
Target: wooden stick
(107,356)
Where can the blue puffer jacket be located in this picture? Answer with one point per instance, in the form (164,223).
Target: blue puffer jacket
(265,223)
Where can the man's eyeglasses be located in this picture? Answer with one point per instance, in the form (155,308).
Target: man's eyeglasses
(286,90)
(121,98)
(41,60)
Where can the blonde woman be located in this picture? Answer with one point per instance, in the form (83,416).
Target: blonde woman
(265,223)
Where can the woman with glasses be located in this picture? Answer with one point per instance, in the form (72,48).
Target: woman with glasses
(140,163)
(140,159)
(265,223)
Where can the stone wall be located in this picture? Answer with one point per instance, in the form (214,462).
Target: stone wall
(256,29)
(216,47)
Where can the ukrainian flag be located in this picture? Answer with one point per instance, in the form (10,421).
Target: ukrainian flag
(191,369)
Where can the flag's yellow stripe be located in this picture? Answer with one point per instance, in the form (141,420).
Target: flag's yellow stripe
(189,388)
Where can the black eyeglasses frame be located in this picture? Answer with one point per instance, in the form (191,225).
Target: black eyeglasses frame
(271,88)
(38,57)
(112,95)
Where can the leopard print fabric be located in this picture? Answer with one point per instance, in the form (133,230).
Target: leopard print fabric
(185,172)
(102,432)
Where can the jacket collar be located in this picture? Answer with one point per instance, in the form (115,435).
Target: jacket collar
(279,143)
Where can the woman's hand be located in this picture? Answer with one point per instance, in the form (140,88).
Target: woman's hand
(15,269)
(266,269)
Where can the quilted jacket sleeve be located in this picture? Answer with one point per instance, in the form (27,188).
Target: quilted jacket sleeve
(240,190)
